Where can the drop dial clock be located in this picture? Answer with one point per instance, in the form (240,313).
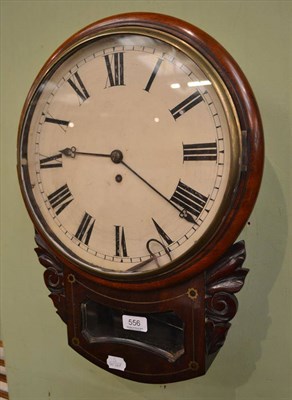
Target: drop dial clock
(139,158)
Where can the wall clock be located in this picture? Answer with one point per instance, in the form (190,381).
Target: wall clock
(140,156)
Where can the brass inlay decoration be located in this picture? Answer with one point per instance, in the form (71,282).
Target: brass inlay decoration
(192,294)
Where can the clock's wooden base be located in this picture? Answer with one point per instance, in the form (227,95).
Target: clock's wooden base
(186,324)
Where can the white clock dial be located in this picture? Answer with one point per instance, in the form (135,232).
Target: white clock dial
(129,153)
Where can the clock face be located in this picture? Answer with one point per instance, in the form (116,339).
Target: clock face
(129,152)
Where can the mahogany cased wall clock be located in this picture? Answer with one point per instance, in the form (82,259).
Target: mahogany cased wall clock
(140,156)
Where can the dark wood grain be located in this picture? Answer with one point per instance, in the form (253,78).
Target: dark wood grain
(204,305)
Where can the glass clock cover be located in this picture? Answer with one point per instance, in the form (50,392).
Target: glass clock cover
(130,152)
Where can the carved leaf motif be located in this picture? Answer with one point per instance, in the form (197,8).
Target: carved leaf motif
(222,281)
(215,336)
(221,307)
(233,284)
(53,275)
(228,272)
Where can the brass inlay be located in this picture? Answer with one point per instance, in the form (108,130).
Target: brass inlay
(75,341)
(71,278)
(192,294)
(194,365)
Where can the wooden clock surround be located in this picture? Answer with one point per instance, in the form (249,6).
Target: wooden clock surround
(192,304)
(205,303)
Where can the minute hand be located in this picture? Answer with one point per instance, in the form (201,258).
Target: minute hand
(183,213)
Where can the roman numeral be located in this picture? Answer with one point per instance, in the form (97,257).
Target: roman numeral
(61,122)
(121,248)
(189,199)
(60,199)
(78,86)
(186,105)
(153,75)
(200,152)
(115,69)
(51,162)
(84,230)
(163,235)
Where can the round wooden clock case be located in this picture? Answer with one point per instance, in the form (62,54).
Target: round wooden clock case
(140,156)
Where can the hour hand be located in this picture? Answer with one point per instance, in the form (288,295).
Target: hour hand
(72,152)
(69,152)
